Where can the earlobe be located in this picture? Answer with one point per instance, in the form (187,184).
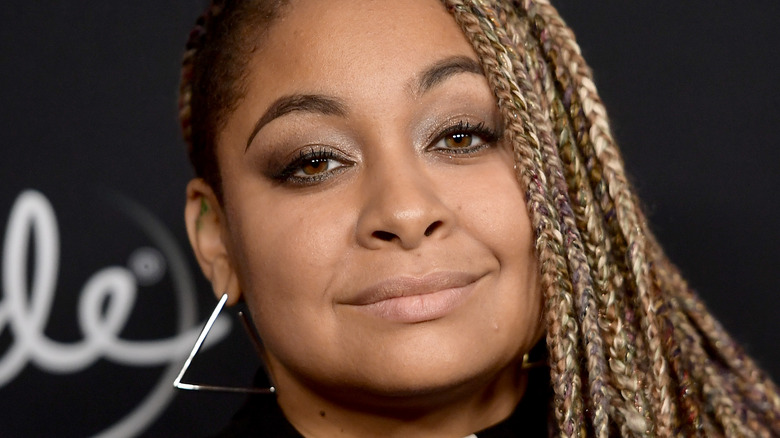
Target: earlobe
(205,229)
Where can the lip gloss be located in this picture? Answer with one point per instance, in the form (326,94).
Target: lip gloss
(419,308)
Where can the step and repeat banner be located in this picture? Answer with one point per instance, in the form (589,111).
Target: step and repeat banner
(101,299)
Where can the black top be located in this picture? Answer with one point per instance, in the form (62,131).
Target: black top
(261,416)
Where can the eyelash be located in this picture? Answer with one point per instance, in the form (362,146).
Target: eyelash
(320,154)
(487,135)
(314,154)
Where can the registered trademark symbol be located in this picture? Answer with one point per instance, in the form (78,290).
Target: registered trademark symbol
(147,264)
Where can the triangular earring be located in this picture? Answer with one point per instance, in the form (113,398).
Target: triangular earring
(202,337)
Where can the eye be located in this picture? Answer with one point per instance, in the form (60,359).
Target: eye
(464,138)
(312,166)
(460,140)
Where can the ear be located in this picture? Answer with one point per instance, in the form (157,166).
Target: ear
(206,230)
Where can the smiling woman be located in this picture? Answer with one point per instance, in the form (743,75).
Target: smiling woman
(408,203)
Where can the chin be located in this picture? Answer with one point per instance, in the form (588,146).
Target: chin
(416,390)
(421,377)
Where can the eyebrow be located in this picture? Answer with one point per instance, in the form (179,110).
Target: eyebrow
(311,103)
(325,105)
(443,70)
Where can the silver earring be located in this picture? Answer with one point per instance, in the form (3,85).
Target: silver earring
(202,337)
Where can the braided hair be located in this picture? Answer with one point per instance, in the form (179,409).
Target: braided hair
(212,75)
(632,350)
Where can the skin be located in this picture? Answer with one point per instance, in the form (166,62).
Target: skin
(400,204)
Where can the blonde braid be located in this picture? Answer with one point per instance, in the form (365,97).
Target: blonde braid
(750,381)
(609,282)
(713,386)
(654,326)
(590,220)
(628,347)
(758,387)
(562,333)
(615,303)
(624,378)
(531,84)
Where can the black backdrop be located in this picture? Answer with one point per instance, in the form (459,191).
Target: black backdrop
(88,121)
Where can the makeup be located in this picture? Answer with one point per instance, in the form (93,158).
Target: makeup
(414,300)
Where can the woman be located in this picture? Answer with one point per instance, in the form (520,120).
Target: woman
(409,203)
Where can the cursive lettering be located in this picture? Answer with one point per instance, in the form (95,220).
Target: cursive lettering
(104,306)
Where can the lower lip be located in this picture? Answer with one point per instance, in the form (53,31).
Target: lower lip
(419,308)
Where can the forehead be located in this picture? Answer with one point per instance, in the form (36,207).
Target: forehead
(320,46)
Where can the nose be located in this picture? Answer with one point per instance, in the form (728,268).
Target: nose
(402,207)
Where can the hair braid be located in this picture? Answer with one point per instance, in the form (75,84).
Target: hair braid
(654,326)
(598,249)
(563,331)
(736,403)
(619,300)
(589,219)
(689,373)
(760,388)
(213,75)
(189,71)
(544,86)
(604,230)
(530,83)
(717,386)
(636,422)
(640,331)
(624,378)
(750,381)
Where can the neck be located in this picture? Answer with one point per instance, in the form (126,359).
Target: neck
(450,412)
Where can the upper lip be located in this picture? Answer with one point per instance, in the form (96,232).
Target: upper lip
(405,286)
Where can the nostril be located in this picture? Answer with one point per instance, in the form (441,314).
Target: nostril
(432,227)
(383,235)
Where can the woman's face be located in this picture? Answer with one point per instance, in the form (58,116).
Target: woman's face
(372,215)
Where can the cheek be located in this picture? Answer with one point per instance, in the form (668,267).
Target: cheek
(287,255)
(493,207)
(494,212)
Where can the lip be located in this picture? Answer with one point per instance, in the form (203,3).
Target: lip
(416,299)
